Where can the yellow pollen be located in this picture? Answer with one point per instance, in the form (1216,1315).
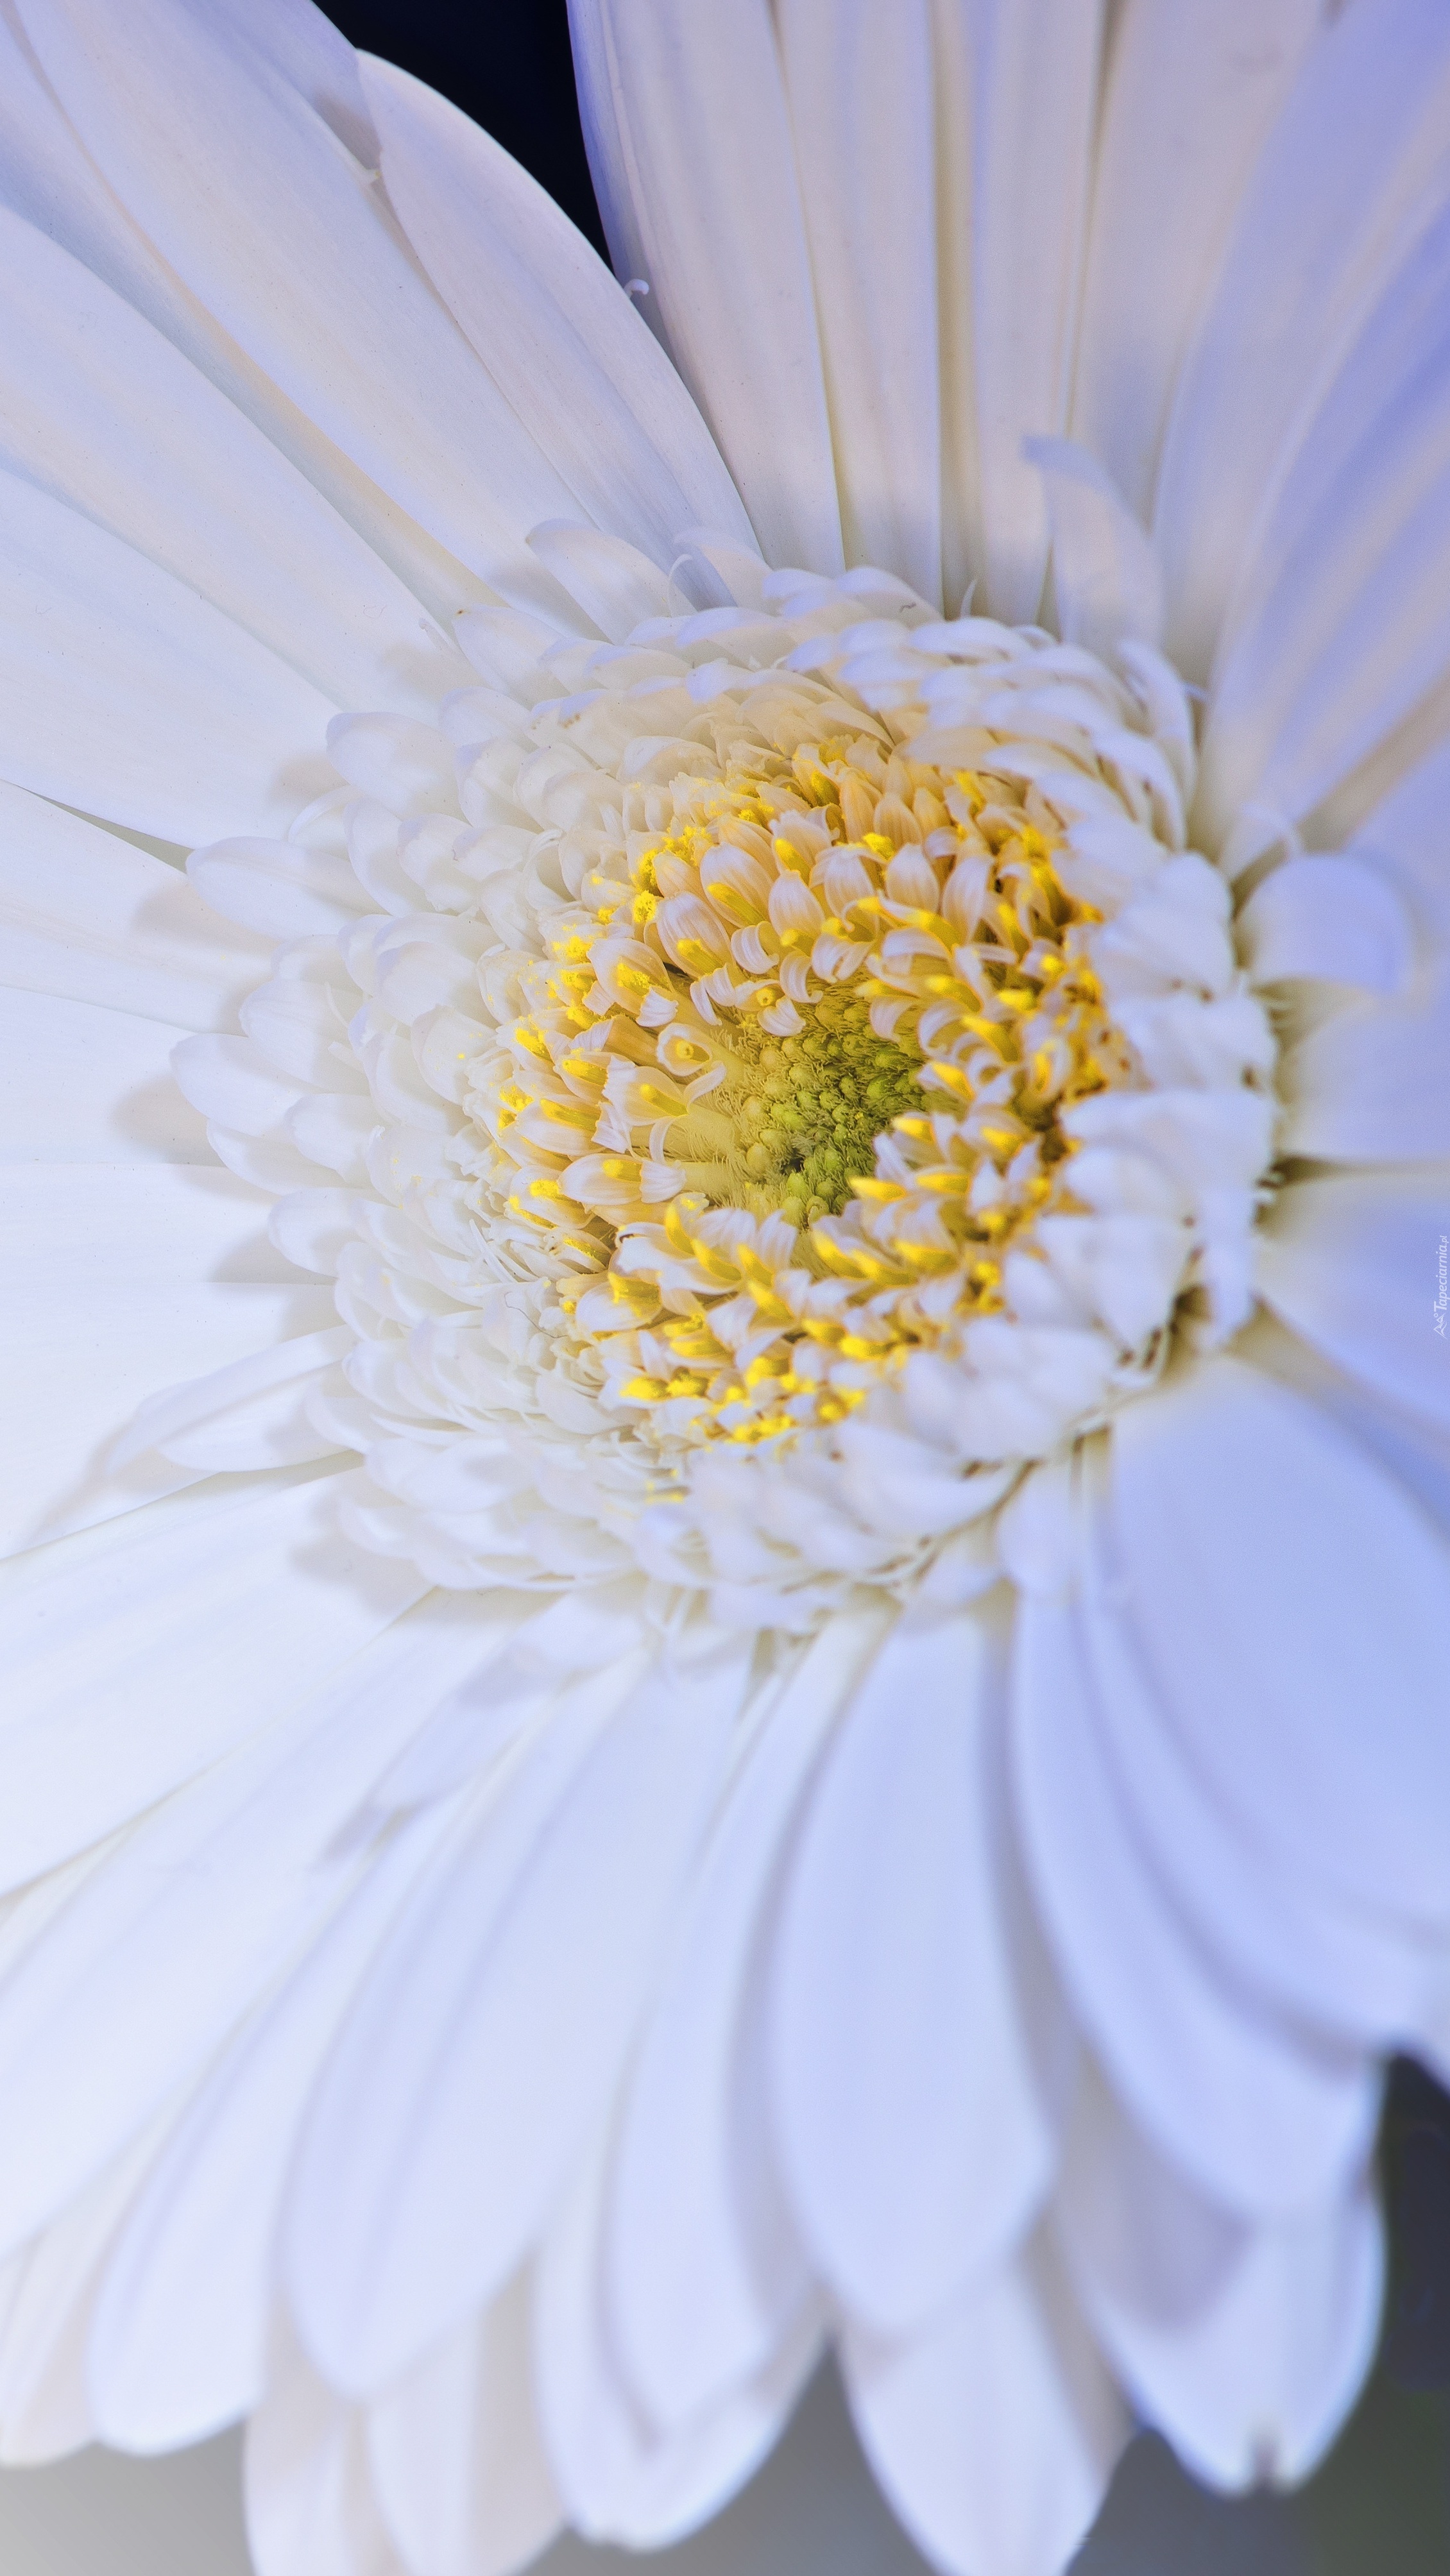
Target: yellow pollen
(838,997)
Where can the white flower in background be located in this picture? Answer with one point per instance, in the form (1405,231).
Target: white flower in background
(726,1620)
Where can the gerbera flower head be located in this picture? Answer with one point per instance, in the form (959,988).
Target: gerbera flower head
(729,1584)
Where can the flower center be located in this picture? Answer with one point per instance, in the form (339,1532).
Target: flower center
(790,1087)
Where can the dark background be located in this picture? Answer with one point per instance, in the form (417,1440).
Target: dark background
(1380,2506)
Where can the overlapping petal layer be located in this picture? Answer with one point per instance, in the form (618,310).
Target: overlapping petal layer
(496,1964)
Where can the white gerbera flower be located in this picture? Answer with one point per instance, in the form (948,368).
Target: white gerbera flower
(727,1618)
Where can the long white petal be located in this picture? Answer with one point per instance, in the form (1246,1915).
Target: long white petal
(257,1602)
(1036,101)
(705,2267)
(919,2039)
(619,2478)
(1244,2345)
(665,93)
(1354,164)
(125,694)
(85,914)
(1280,1588)
(83,1084)
(1371,1084)
(565,345)
(1353,1262)
(862,114)
(178,2344)
(102,410)
(456,2452)
(268,218)
(1193,89)
(312,2503)
(83,1351)
(396,2226)
(993,2431)
(1265,2115)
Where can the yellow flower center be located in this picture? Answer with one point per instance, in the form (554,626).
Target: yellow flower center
(790,1084)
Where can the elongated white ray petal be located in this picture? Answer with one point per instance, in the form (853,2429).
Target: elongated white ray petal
(1264,2114)
(45,2399)
(312,2504)
(481,1997)
(947,2061)
(83,1084)
(1036,83)
(1193,89)
(87,915)
(456,2452)
(705,2267)
(565,345)
(1371,1084)
(993,2431)
(84,1349)
(1355,163)
(665,92)
(268,219)
(1353,635)
(179,2341)
(257,1602)
(100,408)
(1249,1536)
(862,115)
(124,693)
(619,2478)
(1244,2345)
(1353,1262)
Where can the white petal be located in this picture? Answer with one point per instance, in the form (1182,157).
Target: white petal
(80,1084)
(248,1414)
(1265,2114)
(862,115)
(125,694)
(255,1601)
(45,2403)
(83,1349)
(198,1908)
(618,2479)
(1353,634)
(994,2431)
(1266,1933)
(566,347)
(178,2345)
(1371,1084)
(312,2505)
(1330,918)
(1355,158)
(1036,75)
(1193,89)
(456,2452)
(665,93)
(102,410)
(1104,570)
(268,219)
(276,888)
(1245,2345)
(398,2225)
(1280,1587)
(705,2272)
(918,2039)
(1354,1263)
(615,585)
(86,914)
(1401,833)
